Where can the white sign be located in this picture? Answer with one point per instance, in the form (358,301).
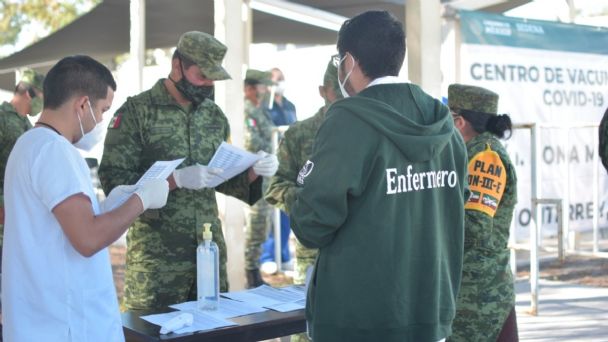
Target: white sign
(553,74)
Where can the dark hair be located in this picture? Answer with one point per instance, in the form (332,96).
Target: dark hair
(377,40)
(76,76)
(186,62)
(484,122)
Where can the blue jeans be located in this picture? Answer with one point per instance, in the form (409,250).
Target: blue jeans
(268,245)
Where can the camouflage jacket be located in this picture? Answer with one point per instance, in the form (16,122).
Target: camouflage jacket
(12,125)
(294,151)
(258,128)
(152,126)
(486,294)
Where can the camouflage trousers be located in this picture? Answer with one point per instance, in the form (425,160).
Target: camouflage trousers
(153,291)
(305,258)
(485,299)
(259,221)
(161,261)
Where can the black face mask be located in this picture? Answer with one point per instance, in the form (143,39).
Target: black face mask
(195,94)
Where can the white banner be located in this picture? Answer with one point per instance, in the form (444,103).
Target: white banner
(547,84)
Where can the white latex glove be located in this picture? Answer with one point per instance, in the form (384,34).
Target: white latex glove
(153,193)
(117,197)
(267,166)
(194,177)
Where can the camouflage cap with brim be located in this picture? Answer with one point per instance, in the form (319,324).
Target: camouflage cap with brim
(253,76)
(330,78)
(476,99)
(206,52)
(32,78)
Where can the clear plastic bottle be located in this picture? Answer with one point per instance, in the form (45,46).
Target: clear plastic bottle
(207,272)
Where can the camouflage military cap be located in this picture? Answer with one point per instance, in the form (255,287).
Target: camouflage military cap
(206,52)
(472,98)
(330,78)
(256,76)
(32,78)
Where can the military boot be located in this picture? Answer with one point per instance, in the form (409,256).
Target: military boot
(254,278)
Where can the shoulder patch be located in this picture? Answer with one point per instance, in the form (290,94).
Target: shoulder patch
(305,171)
(487,179)
(115,122)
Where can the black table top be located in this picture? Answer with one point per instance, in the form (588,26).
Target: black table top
(255,327)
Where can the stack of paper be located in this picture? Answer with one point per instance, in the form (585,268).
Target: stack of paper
(235,304)
(279,299)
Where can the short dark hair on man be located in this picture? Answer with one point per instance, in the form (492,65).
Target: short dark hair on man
(376,40)
(76,76)
(186,62)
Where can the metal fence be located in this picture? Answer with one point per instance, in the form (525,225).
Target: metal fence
(565,245)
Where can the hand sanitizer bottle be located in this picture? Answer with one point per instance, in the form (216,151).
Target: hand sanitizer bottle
(207,272)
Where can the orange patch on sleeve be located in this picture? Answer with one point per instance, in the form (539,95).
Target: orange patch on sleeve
(487,180)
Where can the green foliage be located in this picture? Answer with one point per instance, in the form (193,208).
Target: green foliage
(51,14)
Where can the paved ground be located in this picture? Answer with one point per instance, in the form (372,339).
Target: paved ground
(566,312)
(575,269)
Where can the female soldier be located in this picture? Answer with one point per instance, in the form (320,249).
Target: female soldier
(485,309)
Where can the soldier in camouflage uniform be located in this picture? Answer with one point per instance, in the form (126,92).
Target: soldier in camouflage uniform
(295,149)
(258,137)
(174,119)
(486,302)
(603,140)
(27,99)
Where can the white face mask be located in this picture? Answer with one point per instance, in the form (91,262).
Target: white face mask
(91,138)
(345,94)
(280,87)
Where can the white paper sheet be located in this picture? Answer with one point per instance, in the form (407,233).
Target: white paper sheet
(278,299)
(159,170)
(252,298)
(228,308)
(232,161)
(291,306)
(202,321)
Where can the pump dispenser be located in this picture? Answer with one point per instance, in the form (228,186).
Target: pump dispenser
(207,272)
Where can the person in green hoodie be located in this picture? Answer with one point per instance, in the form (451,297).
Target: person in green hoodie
(382,198)
(486,302)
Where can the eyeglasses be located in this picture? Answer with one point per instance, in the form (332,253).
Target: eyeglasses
(335,60)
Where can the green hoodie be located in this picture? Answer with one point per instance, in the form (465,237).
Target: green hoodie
(382,197)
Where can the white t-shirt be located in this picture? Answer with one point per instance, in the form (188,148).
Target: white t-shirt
(50,292)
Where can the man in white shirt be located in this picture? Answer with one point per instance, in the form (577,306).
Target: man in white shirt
(57,277)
